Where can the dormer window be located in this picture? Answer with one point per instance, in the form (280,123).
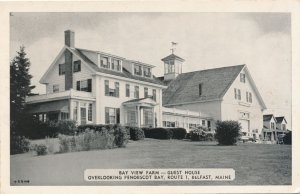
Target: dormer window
(104,62)
(243,77)
(116,65)
(77,66)
(138,70)
(147,72)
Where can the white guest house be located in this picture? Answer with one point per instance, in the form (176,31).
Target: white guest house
(101,88)
(96,87)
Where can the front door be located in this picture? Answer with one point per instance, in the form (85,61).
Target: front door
(83,115)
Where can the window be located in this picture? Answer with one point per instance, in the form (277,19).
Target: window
(127,90)
(237,94)
(283,127)
(115,65)
(90,112)
(110,91)
(203,122)
(249,97)
(136,92)
(272,125)
(243,77)
(147,72)
(61,69)
(55,88)
(168,124)
(137,70)
(154,94)
(64,115)
(208,125)
(145,92)
(112,115)
(77,66)
(105,62)
(84,85)
(148,117)
(200,89)
(43,117)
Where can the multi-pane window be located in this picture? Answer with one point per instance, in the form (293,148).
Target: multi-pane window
(64,115)
(154,94)
(112,115)
(112,91)
(145,92)
(170,67)
(90,112)
(243,77)
(84,85)
(105,62)
(61,69)
(55,88)
(137,70)
(127,90)
(77,66)
(75,112)
(249,97)
(169,124)
(148,117)
(115,64)
(203,122)
(136,92)
(147,72)
(272,125)
(237,94)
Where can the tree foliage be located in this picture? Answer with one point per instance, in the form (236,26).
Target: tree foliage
(227,132)
(20,85)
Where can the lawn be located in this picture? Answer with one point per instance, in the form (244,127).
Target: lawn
(254,164)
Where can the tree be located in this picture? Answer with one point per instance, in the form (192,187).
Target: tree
(287,139)
(20,85)
(227,132)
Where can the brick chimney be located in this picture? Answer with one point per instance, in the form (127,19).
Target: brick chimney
(69,41)
(70,38)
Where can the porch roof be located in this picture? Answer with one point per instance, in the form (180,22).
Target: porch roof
(55,106)
(141,102)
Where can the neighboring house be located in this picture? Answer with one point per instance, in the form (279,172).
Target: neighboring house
(96,87)
(273,127)
(269,128)
(281,123)
(227,93)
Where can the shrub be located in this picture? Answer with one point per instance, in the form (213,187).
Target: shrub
(135,133)
(66,127)
(227,132)
(121,136)
(201,134)
(41,149)
(18,144)
(89,140)
(178,133)
(158,133)
(287,139)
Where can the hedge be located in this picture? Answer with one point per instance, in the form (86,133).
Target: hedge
(135,133)
(165,133)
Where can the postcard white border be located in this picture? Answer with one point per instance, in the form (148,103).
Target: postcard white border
(292,6)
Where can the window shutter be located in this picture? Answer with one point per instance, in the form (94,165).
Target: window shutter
(118,115)
(106,115)
(78,85)
(235,93)
(89,85)
(247,96)
(106,87)
(59,69)
(250,97)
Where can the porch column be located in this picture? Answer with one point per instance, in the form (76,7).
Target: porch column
(138,116)
(70,109)
(78,112)
(153,118)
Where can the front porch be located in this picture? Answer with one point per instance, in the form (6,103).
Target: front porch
(140,112)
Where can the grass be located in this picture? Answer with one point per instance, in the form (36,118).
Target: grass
(254,164)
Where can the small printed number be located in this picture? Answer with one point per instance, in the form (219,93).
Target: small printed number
(21,181)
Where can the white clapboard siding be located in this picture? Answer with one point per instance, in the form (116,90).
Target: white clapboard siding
(54,78)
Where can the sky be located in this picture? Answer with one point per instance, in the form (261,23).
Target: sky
(262,41)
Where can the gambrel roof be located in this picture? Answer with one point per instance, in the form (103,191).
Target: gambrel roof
(215,83)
